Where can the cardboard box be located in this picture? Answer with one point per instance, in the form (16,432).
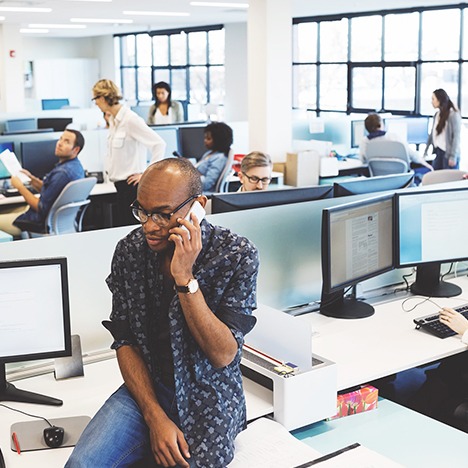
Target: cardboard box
(364,399)
(302,169)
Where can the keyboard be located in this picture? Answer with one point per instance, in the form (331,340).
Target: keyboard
(11,192)
(432,324)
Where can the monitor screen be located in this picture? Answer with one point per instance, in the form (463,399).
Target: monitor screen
(36,319)
(225,202)
(431,229)
(357,244)
(417,129)
(358,132)
(191,141)
(20,125)
(53,104)
(5,145)
(171,136)
(58,124)
(38,157)
(364,185)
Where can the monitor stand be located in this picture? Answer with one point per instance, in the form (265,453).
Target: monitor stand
(428,282)
(8,392)
(338,306)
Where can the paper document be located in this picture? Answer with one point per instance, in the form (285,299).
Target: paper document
(266,444)
(12,165)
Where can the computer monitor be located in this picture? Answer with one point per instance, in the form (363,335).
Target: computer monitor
(53,104)
(58,124)
(431,229)
(35,319)
(191,140)
(171,136)
(225,202)
(20,125)
(38,157)
(417,129)
(362,185)
(358,132)
(5,145)
(357,244)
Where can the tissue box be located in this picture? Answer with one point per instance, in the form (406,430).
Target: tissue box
(364,399)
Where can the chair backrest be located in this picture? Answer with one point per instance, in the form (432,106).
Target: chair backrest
(222,184)
(387,166)
(392,151)
(62,217)
(442,175)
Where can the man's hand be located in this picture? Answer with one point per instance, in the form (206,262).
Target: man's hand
(168,443)
(16,182)
(453,320)
(133,179)
(188,245)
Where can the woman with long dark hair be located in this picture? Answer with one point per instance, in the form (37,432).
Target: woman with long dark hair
(445,134)
(164,110)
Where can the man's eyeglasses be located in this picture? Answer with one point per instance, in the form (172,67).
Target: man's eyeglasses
(256,180)
(161,219)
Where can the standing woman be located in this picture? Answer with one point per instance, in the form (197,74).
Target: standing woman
(164,110)
(445,134)
(127,146)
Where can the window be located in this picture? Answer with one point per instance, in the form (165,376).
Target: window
(389,61)
(190,60)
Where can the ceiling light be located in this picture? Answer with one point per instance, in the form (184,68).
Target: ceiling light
(26,9)
(156,13)
(33,31)
(58,26)
(101,20)
(89,0)
(220,4)
(2,18)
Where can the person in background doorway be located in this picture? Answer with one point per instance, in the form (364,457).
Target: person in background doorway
(127,146)
(218,140)
(445,134)
(255,173)
(164,110)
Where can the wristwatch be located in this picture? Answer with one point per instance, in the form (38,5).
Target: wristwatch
(190,288)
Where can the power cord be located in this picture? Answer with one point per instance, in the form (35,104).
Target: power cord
(26,414)
(424,300)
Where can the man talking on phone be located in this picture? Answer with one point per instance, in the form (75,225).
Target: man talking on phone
(183,293)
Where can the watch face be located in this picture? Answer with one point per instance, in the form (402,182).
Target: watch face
(192,286)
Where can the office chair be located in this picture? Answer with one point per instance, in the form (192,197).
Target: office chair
(387,157)
(222,185)
(442,175)
(66,214)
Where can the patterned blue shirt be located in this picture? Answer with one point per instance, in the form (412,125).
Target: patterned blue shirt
(210,400)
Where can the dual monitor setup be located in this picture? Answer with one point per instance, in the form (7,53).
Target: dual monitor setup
(33,125)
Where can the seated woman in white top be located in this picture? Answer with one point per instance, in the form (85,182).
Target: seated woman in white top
(164,110)
(255,173)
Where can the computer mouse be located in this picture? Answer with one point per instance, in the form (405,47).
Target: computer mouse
(53,436)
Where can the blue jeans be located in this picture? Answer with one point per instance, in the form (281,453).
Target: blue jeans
(118,436)
(441,162)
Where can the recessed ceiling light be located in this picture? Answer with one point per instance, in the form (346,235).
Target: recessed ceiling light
(58,26)
(26,9)
(33,31)
(156,13)
(101,20)
(220,4)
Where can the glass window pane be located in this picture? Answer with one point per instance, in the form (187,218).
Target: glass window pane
(367,88)
(128,50)
(401,37)
(197,48)
(465,33)
(305,42)
(305,86)
(129,84)
(366,39)
(198,85)
(464,90)
(178,49)
(217,86)
(160,51)
(216,42)
(440,43)
(333,87)
(144,57)
(178,84)
(162,74)
(144,84)
(399,92)
(334,41)
(437,75)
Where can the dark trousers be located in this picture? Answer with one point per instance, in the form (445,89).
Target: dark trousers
(441,162)
(126,195)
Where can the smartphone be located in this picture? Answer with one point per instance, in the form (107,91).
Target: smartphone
(198,211)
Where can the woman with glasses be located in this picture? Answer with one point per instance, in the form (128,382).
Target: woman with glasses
(445,135)
(218,140)
(164,110)
(255,173)
(127,146)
